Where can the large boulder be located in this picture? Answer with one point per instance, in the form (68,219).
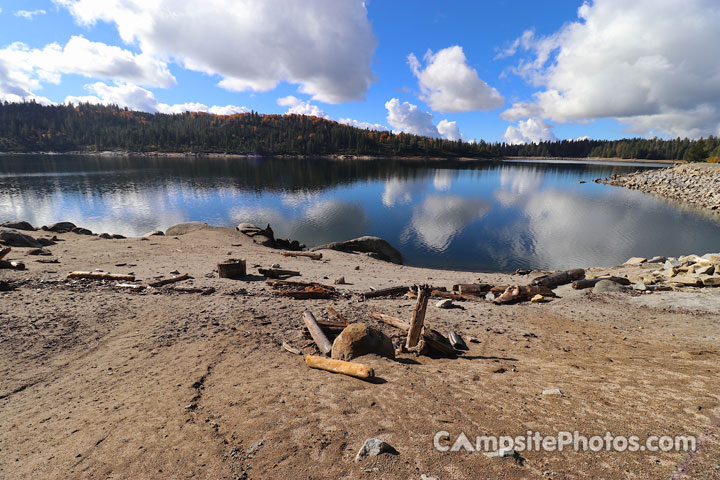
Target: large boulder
(359,339)
(60,227)
(13,238)
(183,228)
(607,286)
(19,225)
(373,246)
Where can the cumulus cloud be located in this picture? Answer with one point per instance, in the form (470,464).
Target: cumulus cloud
(300,107)
(532,130)
(363,125)
(325,46)
(29,14)
(138,98)
(449,84)
(24,69)
(651,64)
(408,118)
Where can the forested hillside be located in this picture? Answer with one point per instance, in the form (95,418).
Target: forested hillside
(30,127)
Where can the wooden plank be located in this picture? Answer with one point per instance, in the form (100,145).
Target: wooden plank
(386,292)
(170,280)
(102,276)
(392,321)
(277,272)
(311,255)
(316,333)
(357,370)
(233,268)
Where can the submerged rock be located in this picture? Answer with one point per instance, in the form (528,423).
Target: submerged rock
(374,246)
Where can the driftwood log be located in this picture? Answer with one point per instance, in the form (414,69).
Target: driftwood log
(12,265)
(357,370)
(233,268)
(290,283)
(102,276)
(433,339)
(386,292)
(4,252)
(418,318)
(456,296)
(585,283)
(312,255)
(277,272)
(516,293)
(170,280)
(291,349)
(316,333)
(559,278)
(337,315)
(472,288)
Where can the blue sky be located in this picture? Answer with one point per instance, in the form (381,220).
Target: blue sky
(577,69)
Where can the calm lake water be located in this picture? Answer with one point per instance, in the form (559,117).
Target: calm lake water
(481,217)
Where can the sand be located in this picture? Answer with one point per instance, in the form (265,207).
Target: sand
(98,382)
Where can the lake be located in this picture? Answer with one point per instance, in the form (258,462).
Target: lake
(495,216)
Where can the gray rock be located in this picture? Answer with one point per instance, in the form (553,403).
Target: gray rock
(19,225)
(14,238)
(374,246)
(117,236)
(185,228)
(552,391)
(640,286)
(82,231)
(45,242)
(359,339)
(105,236)
(374,447)
(247,228)
(155,233)
(40,251)
(264,240)
(658,260)
(339,281)
(61,227)
(445,303)
(672,263)
(606,286)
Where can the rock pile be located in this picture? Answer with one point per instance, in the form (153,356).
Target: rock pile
(687,271)
(698,184)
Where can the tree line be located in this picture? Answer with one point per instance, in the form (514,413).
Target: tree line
(31,127)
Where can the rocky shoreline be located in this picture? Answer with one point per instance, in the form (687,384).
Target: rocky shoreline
(695,183)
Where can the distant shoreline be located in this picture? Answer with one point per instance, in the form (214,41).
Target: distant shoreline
(338,156)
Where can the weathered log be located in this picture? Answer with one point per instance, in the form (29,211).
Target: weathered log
(312,255)
(316,333)
(386,292)
(277,272)
(232,268)
(418,319)
(357,370)
(102,276)
(455,296)
(291,349)
(515,293)
(131,286)
(12,265)
(337,315)
(305,294)
(456,340)
(4,252)
(559,278)
(201,291)
(585,283)
(170,280)
(472,288)
(290,283)
(434,340)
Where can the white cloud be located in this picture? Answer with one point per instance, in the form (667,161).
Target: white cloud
(449,84)
(532,130)
(325,46)
(408,118)
(449,130)
(24,70)
(300,107)
(363,125)
(138,98)
(651,64)
(29,14)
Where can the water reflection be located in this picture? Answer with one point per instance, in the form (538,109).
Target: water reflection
(484,216)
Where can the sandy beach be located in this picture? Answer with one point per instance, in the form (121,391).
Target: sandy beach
(101,382)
